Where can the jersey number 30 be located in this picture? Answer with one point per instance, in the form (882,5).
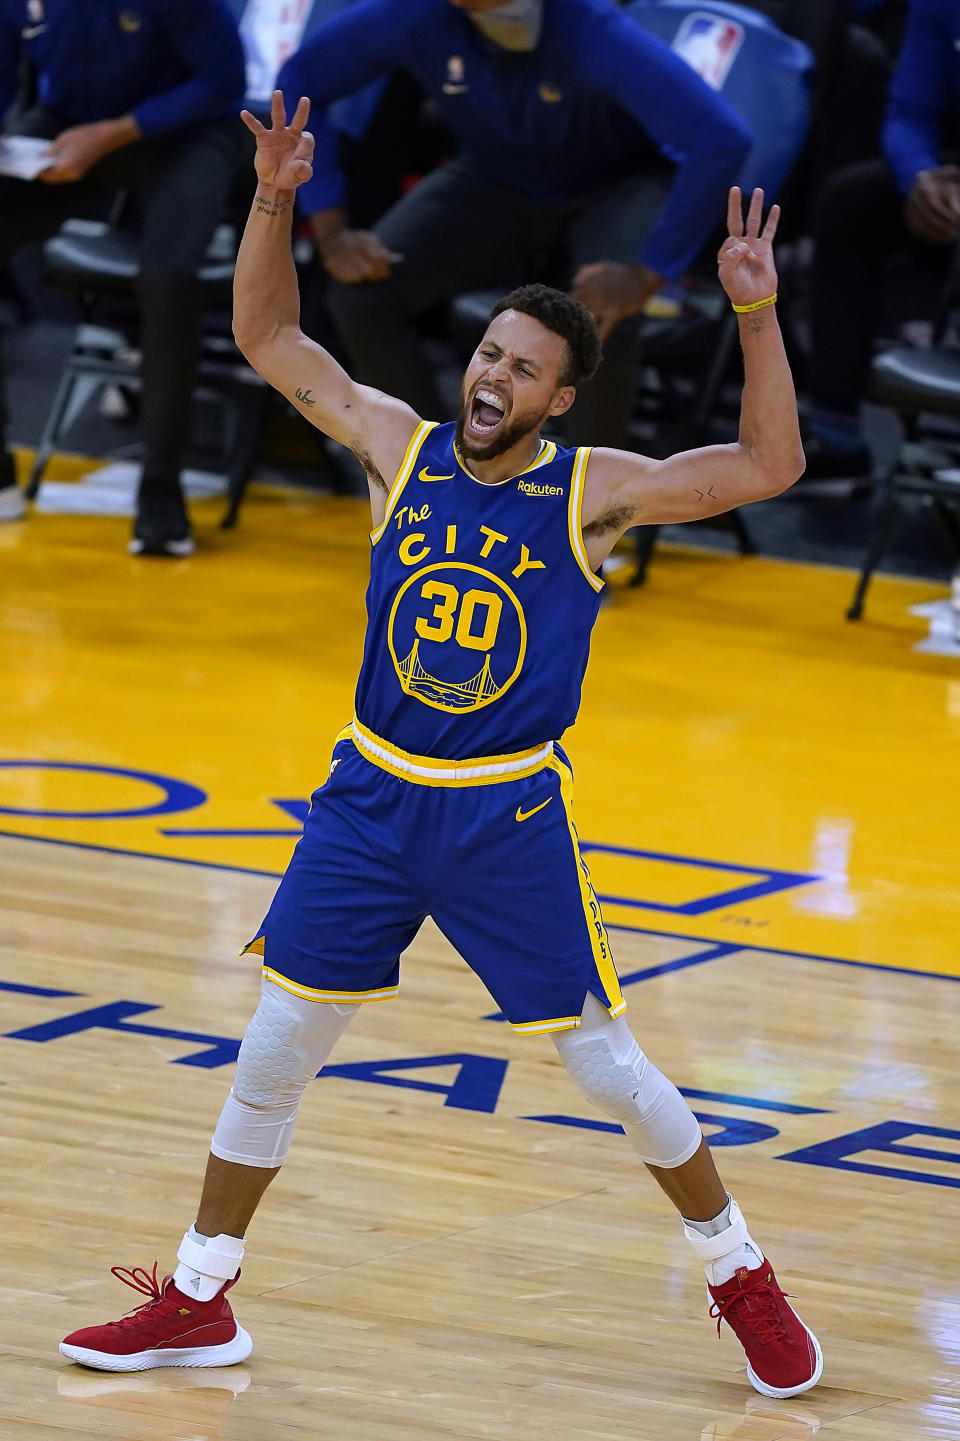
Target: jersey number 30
(440,626)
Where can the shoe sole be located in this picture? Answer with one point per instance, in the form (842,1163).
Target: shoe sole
(229,1354)
(178,549)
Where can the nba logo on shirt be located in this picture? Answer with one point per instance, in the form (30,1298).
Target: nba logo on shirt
(709,45)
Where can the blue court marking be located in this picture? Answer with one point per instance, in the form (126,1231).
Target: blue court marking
(723,948)
(141,855)
(715,952)
(770,881)
(755,1102)
(202,831)
(611,926)
(734,1130)
(116,1016)
(882,1138)
(35,990)
(177,795)
(297,808)
(795,955)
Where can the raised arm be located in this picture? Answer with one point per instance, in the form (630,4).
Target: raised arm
(266,315)
(623,489)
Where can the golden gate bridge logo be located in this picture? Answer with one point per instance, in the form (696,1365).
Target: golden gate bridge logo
(459,619)
(456,694)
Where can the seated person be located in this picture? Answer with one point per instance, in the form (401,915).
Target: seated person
(144,100)
(566,111)
(907,203)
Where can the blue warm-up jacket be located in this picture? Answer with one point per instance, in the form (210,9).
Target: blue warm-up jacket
(554,123)
(925,87)
(167,62)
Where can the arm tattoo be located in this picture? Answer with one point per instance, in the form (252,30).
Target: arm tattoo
(304,397)
(613,520)
(755,322)
(372,473)
(271,208)
(710,494)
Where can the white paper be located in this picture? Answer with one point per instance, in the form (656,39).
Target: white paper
(112,490)
(943,638)
(24,156)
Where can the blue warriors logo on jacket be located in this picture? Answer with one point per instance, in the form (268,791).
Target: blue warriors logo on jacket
(480,604)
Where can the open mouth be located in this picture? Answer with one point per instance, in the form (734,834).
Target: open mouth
(486,412)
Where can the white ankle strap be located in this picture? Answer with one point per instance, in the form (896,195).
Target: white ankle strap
(711,1248)
(220,1258)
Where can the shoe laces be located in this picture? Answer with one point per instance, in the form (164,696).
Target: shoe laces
(759,1308)
(144,1281)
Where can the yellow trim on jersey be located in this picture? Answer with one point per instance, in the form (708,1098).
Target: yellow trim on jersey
(429,771)
(403,474)
(543,456)
(547,452)
(574,516)
(255,947)
(599,940)
(345,735)
(529,1028)
(308,993)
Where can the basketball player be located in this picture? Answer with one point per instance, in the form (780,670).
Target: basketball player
(448,794)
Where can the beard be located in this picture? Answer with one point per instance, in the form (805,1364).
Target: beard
(507,434)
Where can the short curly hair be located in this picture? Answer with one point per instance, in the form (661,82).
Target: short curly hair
(566,318)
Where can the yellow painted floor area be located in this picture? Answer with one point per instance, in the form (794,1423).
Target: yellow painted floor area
(734,725)
(458,1249)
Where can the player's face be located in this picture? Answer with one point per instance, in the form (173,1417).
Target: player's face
(511,385)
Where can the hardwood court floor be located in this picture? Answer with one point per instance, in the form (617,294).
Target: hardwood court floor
(458,1247)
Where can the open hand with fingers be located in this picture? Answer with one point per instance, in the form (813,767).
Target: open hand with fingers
(745,262)
(284,152)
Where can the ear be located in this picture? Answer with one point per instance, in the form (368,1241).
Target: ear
(563,399)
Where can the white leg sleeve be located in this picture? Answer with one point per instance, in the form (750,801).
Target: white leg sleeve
(285,1045)
(612,1072)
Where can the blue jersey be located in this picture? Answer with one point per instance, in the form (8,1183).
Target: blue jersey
(480,605)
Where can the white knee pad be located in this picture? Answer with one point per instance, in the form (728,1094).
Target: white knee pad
(285,1045)
(612,1071)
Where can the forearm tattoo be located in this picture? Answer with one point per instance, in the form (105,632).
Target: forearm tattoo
(755,322)
(271,208)
(304,397)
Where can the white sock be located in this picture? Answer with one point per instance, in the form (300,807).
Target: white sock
(193,1282)
(724,1245)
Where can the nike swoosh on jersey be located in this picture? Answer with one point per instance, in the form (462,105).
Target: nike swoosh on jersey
(523,815)
(427,477)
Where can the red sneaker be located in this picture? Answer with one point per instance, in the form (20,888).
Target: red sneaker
(170,1329)
(783,1355)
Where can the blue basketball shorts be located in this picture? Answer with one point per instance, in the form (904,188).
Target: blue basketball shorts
(494,862)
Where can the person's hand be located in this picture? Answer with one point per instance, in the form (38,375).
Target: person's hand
(745,262)
(77,150)
(612,291)
(354,256)
(932,209)
(285,152)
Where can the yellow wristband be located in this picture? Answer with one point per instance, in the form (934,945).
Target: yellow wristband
(757,304)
